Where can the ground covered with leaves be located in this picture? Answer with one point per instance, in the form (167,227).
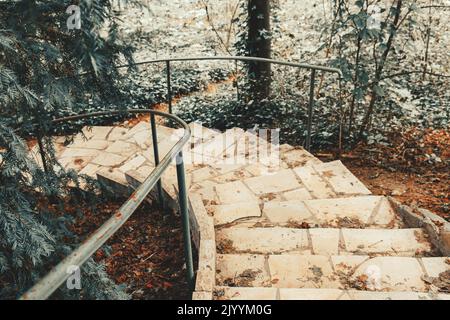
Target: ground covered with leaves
(414,168)
(146,255)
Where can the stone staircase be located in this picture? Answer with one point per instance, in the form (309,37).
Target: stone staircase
(281,225)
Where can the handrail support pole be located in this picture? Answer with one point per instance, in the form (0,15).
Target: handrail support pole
(183,201)
(169,86)
(310,109)
(156,157)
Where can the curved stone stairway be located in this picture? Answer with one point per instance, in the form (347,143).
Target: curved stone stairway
(291,229)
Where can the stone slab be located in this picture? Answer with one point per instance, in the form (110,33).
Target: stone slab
(282,181)
(206,274)
(299,194)
(263,240)
(299,158)
(234,192)
(122,148)
(296,271)
(78,153)
(435,266)
(109,160)
(355,211)
(77,164)
(94,143)
(207,191)
(344,266)
(218,145)
(399,242)
(134,163)
(242,271)
(314,183)
(385,214)
(118,133)
(143,126)
(91,170)
(325,241)
(202,174)
(99,132)
(237,175)
(390,274)
(341,179)
(224,214)
(284,213)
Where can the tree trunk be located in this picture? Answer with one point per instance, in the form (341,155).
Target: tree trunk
(259,45)
(379,71)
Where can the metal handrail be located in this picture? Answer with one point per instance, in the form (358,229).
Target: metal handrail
(56,277)
(312,68)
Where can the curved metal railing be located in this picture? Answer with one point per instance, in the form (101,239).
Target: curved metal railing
(56,277)
(313,68)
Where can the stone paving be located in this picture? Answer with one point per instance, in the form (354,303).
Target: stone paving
(272,225)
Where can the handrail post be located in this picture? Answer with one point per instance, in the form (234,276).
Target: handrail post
(183,199)
(341,111)
(156,156)
(310,109)
(237,81)
(169,86)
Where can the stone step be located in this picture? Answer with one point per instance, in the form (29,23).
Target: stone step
(106,149)
(218,171)
(352,213)
(221,170)
(328,180)
(332,272)
(250,183)
(267,294)
(205,150)
(110,152)
(373,242)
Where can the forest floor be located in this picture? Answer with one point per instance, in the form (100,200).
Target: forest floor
(146,254)
(429,190)
(408,170)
